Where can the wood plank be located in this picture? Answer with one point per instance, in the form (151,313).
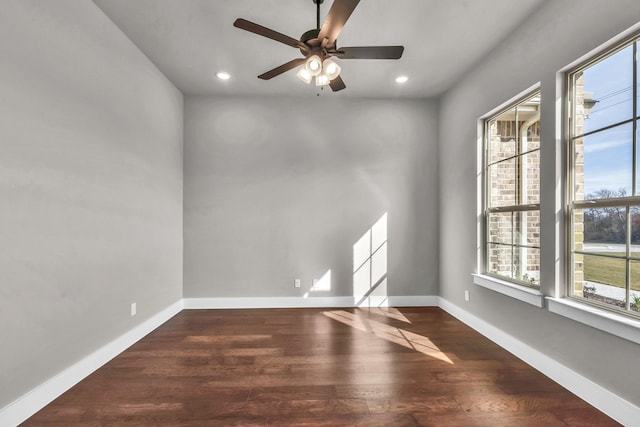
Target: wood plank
(317,367)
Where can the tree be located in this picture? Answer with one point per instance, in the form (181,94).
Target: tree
(608,224)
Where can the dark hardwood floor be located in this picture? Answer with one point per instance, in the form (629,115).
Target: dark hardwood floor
(320,367)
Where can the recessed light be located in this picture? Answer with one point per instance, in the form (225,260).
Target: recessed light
(223,75)
(402,79)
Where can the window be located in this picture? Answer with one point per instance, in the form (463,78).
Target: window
(603,180)
(512,192)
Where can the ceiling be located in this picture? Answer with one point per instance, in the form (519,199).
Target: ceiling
(191,40)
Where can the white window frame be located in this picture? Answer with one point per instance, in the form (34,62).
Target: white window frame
(506,285)
(573,302)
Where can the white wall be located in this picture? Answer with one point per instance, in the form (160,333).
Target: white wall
(90,188)
(559,33)
(277,189)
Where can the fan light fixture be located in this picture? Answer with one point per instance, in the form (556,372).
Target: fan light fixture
(324,71)
(331,68)
(314,65)
(319,44)
(304,75)
(322,79)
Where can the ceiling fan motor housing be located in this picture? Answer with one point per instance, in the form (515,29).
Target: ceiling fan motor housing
(309,35)
(310,39)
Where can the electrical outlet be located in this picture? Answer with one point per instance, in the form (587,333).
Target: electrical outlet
(134,309)
(467,295)
(297,283)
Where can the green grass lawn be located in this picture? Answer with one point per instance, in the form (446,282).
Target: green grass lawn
(611,271)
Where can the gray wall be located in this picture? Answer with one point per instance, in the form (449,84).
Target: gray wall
(559,33)
(90,188)
(279,188)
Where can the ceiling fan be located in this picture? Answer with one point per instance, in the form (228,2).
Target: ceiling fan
(319,45)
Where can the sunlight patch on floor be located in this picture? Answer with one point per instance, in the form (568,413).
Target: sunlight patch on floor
(390,333)
(390,312)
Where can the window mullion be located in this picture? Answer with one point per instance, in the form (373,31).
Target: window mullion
(602,129)
(605,203)
(634,189)
(513,248)
(635,121)
(628,261)
(518,172)
(486,196)
(514,208)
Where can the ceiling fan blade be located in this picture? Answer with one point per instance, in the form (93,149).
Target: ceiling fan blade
(252,27)
(370,52)
(338,14)
(337,84)
(281,69)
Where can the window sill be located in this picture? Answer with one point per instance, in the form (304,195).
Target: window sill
(521,293)
(615,324)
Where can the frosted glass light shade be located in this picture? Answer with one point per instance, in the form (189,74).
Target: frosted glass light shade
(322,80)
(331,69)
(314,65)
(304,75)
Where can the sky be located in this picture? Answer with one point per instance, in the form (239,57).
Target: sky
(608,154)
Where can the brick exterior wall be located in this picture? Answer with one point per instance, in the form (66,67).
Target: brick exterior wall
(514,182)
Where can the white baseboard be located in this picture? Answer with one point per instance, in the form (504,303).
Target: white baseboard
(31,402)
(611,404)
(267,302)
(310,302)
(413,301)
